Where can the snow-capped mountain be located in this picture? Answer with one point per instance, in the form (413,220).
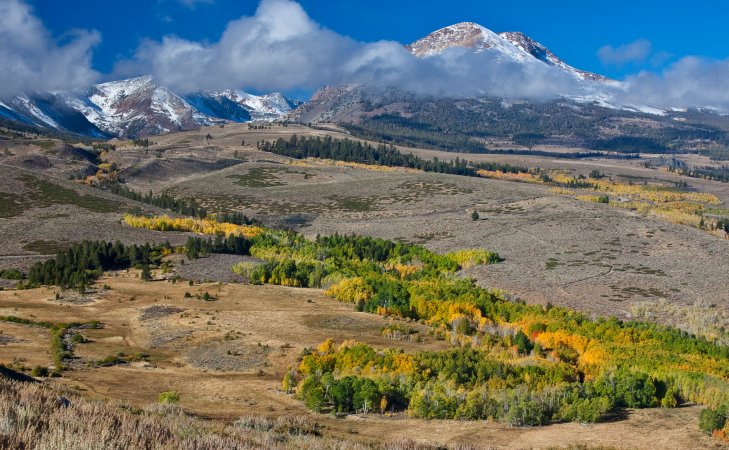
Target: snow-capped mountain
(241,106)
(138,107)
(49,111)
(509,46)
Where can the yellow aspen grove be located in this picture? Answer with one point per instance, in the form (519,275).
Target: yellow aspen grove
(201,226)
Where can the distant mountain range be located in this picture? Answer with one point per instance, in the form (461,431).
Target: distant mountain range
(138,107)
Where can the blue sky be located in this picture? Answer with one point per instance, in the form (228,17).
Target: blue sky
(574,30)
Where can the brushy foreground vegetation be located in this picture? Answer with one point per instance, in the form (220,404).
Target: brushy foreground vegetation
(34,416)
(526,365)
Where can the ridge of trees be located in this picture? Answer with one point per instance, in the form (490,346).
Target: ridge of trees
(356,151)
(468,125)
(706,172)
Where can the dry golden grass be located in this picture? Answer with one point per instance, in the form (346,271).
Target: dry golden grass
(34,416)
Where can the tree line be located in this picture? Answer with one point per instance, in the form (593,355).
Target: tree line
(468,125)
(356,151)
(464,383)
(706,172)
(81,264)
(84,262)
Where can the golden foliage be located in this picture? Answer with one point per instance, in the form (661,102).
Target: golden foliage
(520,177)
(405,270)
(202,226)
(667,203)
(326,347)
(351,290)
(469,258)
(588,198)
(553,339)
(308,162)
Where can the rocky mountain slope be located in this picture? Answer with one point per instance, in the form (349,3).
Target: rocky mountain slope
(240,106)
(542,53)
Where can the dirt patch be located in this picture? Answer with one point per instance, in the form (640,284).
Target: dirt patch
(6,339)
(229,356)
(70,297)
(158,312)
(165,335)
(215,267)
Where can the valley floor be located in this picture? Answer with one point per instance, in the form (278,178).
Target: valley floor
(226,359)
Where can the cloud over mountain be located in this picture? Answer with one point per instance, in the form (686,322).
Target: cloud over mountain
(33,60)
(282,48)
(634,52)
(690,82)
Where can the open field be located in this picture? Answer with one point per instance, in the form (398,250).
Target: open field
(226,358)
(41,214)
(588,256)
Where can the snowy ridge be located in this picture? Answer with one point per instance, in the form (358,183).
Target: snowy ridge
(36,112)
(261,108)
(138,106)
(542,53)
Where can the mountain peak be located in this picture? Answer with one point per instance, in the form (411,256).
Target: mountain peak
(129,85)
(509,46)
(470,35)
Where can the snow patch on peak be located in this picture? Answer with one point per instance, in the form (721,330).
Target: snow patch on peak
(468,35)
(533,48)
(36,112)
(166,103)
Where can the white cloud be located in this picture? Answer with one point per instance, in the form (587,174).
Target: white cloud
(194,3)
(690,82)
(33,60)
(634,52)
